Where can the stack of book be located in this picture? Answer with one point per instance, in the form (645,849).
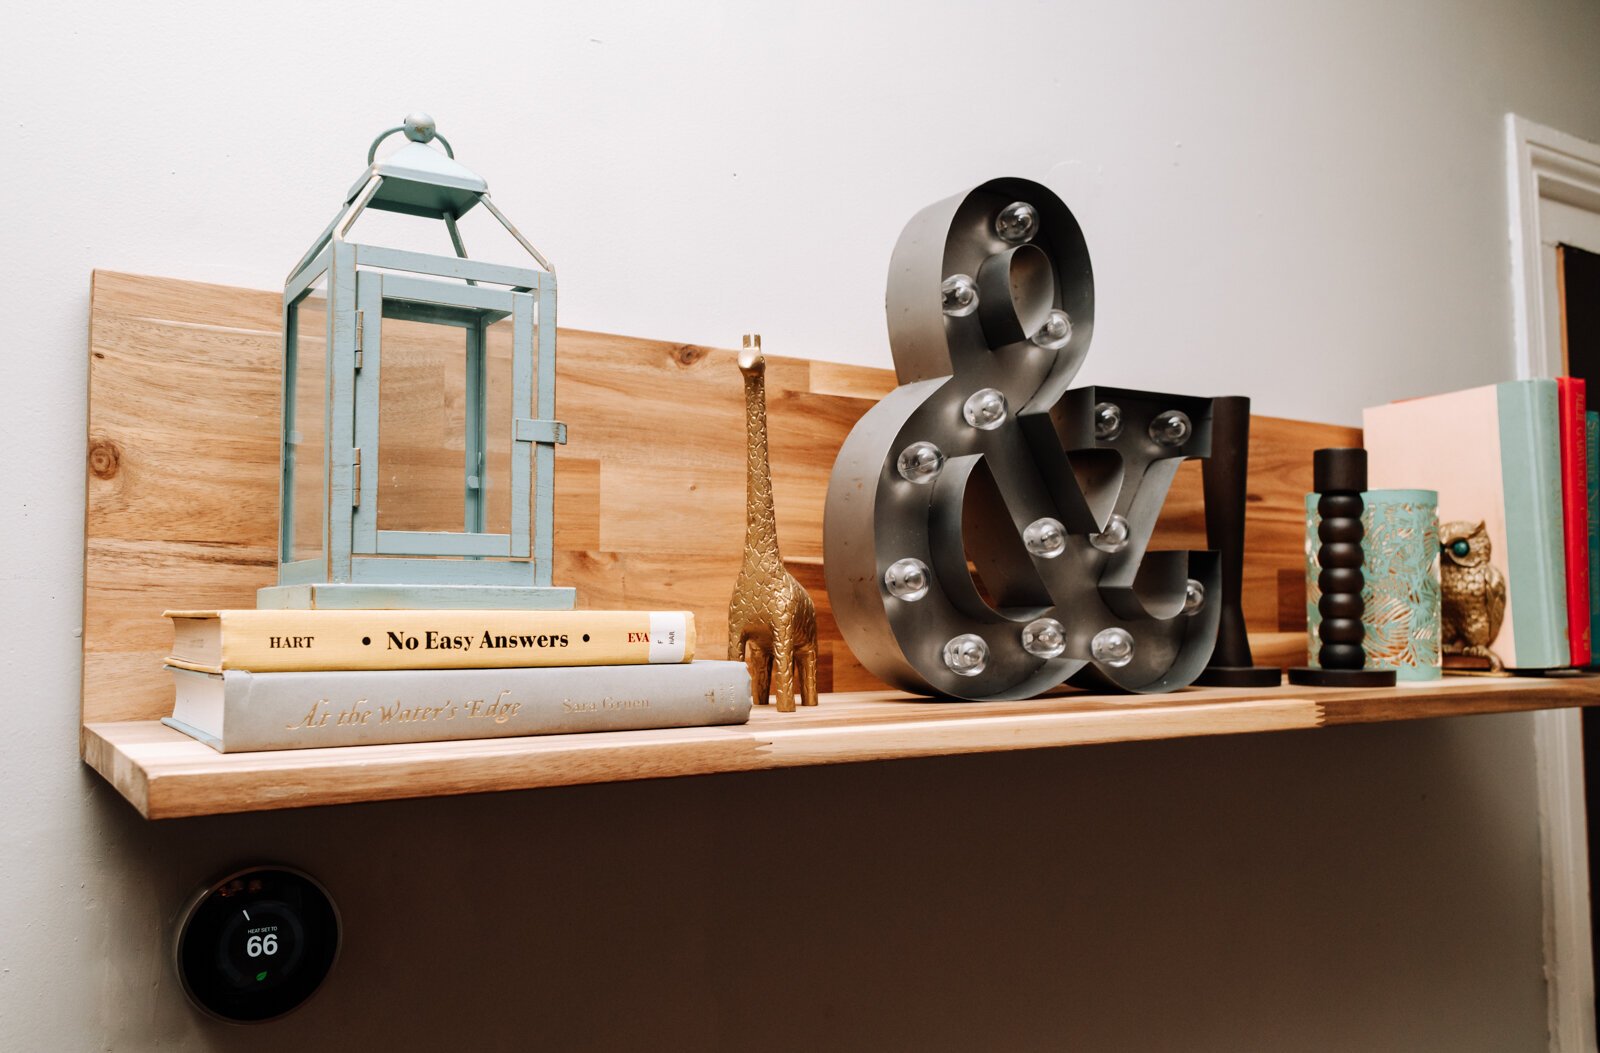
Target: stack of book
(1517,468)
(273,679)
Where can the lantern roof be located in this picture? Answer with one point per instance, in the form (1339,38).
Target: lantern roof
(418,179)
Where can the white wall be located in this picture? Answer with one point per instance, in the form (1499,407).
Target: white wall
(1299,202)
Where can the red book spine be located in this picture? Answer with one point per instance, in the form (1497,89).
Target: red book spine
(1575,513)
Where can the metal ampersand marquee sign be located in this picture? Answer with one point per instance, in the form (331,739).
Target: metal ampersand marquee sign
(987,527)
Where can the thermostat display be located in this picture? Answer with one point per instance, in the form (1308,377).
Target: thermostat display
(256,944)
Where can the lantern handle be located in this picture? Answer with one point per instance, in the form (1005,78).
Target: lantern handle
(515,233)
(419,128)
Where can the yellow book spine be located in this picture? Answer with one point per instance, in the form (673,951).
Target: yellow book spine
(286,641)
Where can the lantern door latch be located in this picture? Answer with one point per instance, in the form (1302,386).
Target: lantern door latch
(553,432)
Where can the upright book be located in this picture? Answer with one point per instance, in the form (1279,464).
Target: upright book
(1494,455)
(1592,433)
(1575,512)
(267,641)
(236,710)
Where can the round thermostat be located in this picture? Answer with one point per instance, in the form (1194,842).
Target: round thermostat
(256,944)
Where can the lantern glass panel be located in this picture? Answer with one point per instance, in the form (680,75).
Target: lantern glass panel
(422,404)
(499,415)
(445,422)
(305,423)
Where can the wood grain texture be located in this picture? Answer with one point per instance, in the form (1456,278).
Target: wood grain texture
(1280,649)
(183,466)
(165,774)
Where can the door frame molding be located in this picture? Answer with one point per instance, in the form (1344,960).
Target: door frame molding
(1545,165)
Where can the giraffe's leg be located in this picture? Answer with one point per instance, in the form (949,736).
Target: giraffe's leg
(783,672)
(758,659)
(808,676)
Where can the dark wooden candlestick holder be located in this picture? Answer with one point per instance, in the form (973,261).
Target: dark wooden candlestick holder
(1339,476)
(1225,474)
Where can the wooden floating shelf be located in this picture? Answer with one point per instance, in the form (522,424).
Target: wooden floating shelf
(167,775)
(182,480)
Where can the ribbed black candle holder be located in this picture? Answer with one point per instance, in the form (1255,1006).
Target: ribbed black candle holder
(1225,474)
(1339,476)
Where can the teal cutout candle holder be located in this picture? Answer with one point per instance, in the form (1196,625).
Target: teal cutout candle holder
(1400,597)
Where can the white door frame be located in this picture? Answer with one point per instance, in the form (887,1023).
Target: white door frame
(1554,179)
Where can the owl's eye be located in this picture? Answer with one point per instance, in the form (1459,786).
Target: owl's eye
(1460,547)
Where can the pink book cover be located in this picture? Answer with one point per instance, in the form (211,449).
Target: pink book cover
(1575,513)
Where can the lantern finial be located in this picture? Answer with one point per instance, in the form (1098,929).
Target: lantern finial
(419,127)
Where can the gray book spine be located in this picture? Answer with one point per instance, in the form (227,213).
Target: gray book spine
(273,711)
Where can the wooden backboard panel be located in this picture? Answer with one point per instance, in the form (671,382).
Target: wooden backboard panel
(183,478)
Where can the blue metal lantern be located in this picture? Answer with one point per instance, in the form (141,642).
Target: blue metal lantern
(419,435)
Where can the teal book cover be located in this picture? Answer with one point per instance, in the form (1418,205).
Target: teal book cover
(1530,462)
(1592,420)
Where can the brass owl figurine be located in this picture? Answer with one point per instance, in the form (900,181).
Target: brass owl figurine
(1473,592)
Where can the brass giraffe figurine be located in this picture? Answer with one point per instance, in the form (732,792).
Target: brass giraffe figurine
(772,623)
